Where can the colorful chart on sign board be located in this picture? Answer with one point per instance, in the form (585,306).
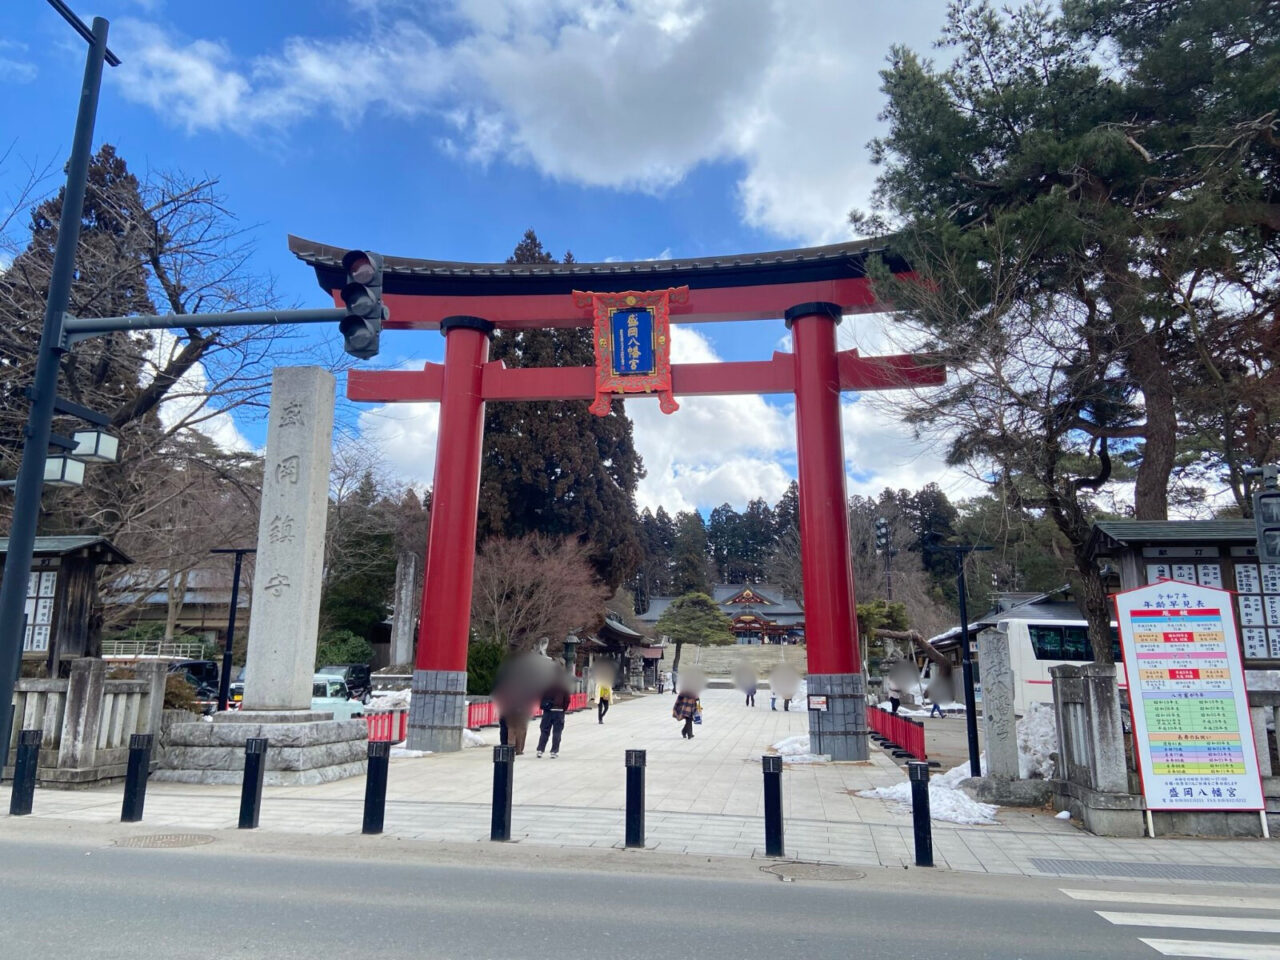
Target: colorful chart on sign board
(1190,709)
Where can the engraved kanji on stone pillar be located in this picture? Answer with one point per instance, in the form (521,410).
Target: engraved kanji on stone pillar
(291,527)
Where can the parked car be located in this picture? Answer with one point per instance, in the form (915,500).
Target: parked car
(357,676)
(330,693)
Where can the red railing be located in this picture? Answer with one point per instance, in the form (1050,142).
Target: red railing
(390,725)
(486,714)
(906,733)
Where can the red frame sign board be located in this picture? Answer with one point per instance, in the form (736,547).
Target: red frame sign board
(1190,708)
(612,378)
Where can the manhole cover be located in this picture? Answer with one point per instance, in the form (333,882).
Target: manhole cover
(166,840)
(813,871)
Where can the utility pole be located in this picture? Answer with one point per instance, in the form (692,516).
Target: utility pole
(30,481)
(960,552)
(224,679)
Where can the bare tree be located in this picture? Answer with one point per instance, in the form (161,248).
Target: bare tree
(532,587)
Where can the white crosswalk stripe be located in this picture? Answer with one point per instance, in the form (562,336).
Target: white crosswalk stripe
(1218,923)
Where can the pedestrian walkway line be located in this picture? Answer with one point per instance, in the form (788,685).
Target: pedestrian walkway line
(1212,950)
(1191,921)
(1173,899)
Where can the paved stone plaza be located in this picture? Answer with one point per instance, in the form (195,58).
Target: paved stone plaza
(703,797)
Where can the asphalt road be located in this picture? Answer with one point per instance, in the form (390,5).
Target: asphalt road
(78,896)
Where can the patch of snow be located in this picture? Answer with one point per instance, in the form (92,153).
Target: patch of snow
(953,776)
(472,739)
(796,750)
(792,746)
(406,753)
(390,698)
(945,802)
(1064,815)
(1037,742)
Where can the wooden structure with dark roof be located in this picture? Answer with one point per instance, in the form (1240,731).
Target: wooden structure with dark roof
(63,622)
(1211,553)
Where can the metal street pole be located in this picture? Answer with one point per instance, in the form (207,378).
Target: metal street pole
(224,680)
(30,482)
(966,665)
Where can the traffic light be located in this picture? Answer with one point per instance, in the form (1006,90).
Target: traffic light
(882,534)
(1266,517)
(362,294)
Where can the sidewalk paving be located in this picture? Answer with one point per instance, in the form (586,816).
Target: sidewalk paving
(703,796)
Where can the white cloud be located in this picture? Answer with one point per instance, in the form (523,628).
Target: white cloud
(188,403)
(626,95)
(404,435)
(14,65)
(712,450)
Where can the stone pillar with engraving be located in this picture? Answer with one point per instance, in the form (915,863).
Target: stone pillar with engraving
(1000,724)
(305,746)
(290,559)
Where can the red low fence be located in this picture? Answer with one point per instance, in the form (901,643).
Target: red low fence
(486,714)
(393,725)
(390,725)
(908,734)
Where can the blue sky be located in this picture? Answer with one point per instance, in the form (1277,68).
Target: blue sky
(445,128)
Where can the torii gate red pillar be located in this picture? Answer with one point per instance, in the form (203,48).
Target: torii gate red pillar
(437,710)
(831,625)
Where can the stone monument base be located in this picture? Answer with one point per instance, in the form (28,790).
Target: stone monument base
(305,746)
(437,710)
(839,731)
(1004,792)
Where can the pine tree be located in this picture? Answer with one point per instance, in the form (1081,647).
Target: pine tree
(552,466)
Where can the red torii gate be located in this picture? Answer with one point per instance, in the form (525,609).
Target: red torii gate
(811,288)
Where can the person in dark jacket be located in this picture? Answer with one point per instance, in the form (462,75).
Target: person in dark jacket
(685,709)
(555,701)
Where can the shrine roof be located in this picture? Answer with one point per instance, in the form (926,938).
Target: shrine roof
(1108,535)
(101,549)
(407,275)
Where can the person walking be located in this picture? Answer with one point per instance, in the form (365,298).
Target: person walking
(603,695)
(751,695)
(685,709)
(555,701)
(936,709)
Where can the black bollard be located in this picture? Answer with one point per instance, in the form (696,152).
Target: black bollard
(504,761)
(24,772)
(635,798)
(918,772)
(375,786)
(255,768)
(135,781)
(773,846)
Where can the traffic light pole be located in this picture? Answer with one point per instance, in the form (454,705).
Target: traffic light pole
(30,481)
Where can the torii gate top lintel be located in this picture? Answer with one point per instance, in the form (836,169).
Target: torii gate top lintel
(745,286)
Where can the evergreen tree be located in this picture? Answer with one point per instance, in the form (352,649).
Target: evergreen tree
(786,513)
(553,467)
(689,555)
(693,618)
